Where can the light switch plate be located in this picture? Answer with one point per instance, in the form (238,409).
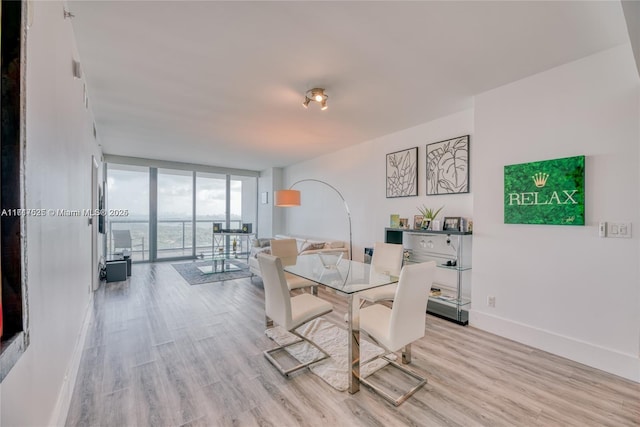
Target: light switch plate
(602,229)
(619,229)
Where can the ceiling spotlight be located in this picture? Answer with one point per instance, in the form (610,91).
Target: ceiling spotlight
(317,95)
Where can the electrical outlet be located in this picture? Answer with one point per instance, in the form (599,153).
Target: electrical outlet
(491,301)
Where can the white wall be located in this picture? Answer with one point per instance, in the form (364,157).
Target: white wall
(358,172)
(60,144)
(249,200)
(268,223)
(631,9)
(563,289)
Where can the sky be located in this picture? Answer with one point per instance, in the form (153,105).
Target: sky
(129,189)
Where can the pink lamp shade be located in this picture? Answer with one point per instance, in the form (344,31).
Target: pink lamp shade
(287,198)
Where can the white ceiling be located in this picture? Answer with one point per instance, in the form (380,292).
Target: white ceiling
(221,83)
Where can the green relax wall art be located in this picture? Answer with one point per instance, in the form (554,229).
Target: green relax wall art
(545,192)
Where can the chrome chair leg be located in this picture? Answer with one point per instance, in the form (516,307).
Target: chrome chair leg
(406,354)
(406,358)
(286,372)
(397,401)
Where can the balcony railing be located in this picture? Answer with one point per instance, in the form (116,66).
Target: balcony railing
(174,237)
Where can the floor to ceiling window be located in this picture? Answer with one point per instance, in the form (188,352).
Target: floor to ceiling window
(172,211)
(128,201)
(211,206)
(175,214)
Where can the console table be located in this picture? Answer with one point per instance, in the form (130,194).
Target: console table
(224,251)
(451,249)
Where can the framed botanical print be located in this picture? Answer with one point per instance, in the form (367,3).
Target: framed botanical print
(448,166)
(402,173)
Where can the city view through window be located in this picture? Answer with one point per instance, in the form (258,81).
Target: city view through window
(185,200)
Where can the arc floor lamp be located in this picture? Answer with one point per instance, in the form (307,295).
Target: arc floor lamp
(290,198)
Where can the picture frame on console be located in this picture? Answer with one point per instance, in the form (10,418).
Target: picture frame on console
(451,223)
(417,222)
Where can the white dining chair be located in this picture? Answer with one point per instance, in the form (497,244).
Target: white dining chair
(387,259)
(287,251)
(287,311)
(397,327)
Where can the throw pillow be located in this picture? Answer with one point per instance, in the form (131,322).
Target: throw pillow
(312,246)
(264,243)
(261,243)
(266,250)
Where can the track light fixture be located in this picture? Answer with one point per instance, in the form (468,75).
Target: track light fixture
(317,95)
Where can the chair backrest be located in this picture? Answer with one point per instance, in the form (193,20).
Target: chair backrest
(387,258)
(408,314)
(276,291)
(121,239)
(286,250)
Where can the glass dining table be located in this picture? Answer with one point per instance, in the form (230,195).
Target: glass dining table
(347,278)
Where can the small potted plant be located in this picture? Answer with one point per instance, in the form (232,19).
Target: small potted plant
(429,215)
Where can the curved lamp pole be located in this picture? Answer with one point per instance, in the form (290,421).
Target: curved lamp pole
(291,197)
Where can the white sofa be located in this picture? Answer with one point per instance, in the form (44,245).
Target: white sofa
(306,246)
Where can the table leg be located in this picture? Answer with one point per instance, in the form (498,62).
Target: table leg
(354,343)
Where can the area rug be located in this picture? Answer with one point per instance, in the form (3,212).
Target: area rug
(332,339)
(189,271)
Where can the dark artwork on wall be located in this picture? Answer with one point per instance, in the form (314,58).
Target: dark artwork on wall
(448,166)
(10,169)
(402,173)
(15,319)
(101,209)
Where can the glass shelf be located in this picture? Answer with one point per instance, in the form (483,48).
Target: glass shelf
(450,300)
(455,267)
(454,280)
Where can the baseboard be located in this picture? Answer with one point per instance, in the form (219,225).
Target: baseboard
(621,364)
(59,415)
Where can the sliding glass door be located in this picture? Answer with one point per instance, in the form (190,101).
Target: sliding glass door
(172,211)
(127,197)
(175,214)
(211,206)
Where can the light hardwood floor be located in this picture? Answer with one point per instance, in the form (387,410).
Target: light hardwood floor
(163,353)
